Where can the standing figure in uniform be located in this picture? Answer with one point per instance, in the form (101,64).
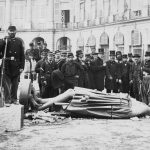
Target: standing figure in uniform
(111,74)
(70,71)
(136,76)
(14,62)
(82,72)
(119,70)
(48,67)
(125,74)
(130,62)
(39,70)
(88,60)
(98,69)
(146,78)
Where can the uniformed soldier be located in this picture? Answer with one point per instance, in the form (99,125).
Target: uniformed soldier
(111,74)
(32,53)
(88,60)
(125,74)
(119,70)
(48,67)
(82,72)
(146,79)
(70,71)
(136,76)
(146,67)
(39,70)
(98,69)
(131,62)
(14,62)
(45,49)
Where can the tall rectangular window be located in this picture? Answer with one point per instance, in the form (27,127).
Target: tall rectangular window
(2,14)
(18,12)
(82,11)
(93,9)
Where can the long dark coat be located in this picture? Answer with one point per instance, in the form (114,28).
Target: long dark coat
(125,77)
(48,68)
(70,72)
(111,72)
(136,75)
(99,72)
(15,49)
(82,72)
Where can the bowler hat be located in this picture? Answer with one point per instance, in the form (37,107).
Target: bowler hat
(112,53)
(130,55)
(12,28)
(79,52)
(70,54)
(147,53)
(43,53)
(136,56)
(101,50)
(124,56)
(95,53)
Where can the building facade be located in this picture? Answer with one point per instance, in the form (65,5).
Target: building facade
(81,24)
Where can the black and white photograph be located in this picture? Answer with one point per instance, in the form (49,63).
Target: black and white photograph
(74,74)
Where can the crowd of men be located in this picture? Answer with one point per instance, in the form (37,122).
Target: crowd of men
(60,70)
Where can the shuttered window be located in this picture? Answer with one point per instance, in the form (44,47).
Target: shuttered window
(18,12)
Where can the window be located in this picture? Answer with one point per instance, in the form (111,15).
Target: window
(18,13)
(2,14)
(82,12)
(93,9)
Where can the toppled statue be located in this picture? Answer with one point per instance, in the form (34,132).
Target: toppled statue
(82,102)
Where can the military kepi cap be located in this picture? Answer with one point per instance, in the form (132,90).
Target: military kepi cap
(112,53)
(147,53)
(12,28)
(101,50)
(124,56)
(130,55)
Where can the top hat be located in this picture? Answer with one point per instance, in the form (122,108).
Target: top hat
(130,55)
(136,56)
(118,53)
(43,53)
(101,50)
(147,53)
(57,51)
(112,53)
(12,28)
(70,54)
(79,52)
(95,53)
(124,56)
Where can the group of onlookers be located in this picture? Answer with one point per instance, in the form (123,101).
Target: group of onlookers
(60,70)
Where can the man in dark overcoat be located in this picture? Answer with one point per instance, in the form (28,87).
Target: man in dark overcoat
(98,69)
(82,81)
(136,76)
(70,71)
(14,62)
(125,74)
(39,70)
(48,67)
(119,70)
(111,74)
(130,62)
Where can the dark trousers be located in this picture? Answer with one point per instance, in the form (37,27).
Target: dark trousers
(12,85)
(109,91)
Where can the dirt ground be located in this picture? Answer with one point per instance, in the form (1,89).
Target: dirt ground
(84,134)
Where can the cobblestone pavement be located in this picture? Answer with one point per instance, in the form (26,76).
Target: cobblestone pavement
(84,134)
